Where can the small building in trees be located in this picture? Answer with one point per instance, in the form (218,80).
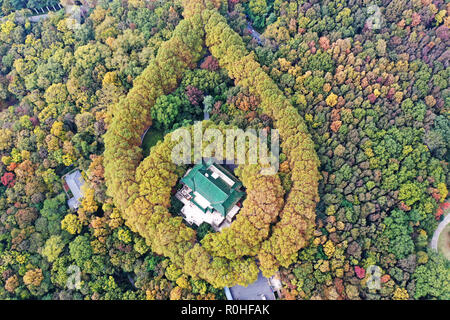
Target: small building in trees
(73,181)
(262,289)
(210,194)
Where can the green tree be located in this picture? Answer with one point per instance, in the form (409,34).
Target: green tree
(399,232)
(166,110)
(433,278)
(80,250)
(53,248)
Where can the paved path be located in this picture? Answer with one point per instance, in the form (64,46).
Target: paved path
(255,34)
(143,135)
(35,18)
(38,18)
(437,232)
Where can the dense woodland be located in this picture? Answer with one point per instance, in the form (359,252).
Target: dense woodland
(359,94)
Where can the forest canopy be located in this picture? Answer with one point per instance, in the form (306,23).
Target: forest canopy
(358,91)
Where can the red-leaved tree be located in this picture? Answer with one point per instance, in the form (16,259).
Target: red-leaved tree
(8,180)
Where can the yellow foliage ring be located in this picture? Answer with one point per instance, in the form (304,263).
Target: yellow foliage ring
(157,175)
(124,171)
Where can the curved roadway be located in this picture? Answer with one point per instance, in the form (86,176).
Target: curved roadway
(437,232)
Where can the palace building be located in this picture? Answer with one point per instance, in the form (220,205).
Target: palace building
(210,194)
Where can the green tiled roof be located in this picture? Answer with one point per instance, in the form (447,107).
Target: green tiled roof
(221,196)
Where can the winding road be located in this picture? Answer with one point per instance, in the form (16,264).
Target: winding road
(437,232)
